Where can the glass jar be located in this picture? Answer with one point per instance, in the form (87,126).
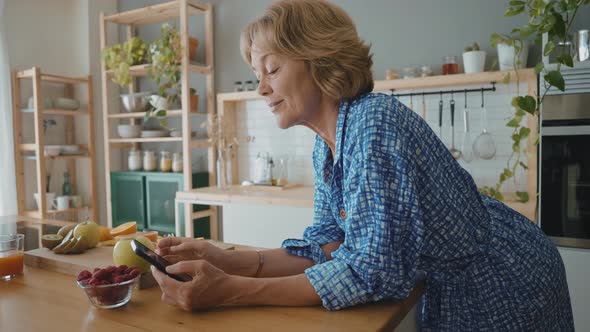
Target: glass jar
(391,74)
(165,161)
(238,87)
(149,161)
(426,71)
(177,162)
(134,160)
(450,65)
(410,72)
(249,86)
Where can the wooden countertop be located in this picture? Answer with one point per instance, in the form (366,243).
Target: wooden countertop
(296,196)
(41,300)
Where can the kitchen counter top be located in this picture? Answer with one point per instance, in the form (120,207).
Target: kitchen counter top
(42,300)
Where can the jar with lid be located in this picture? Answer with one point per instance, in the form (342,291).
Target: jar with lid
(391,74)
(177,162)
(149,161)
(410,72)
(165,161)
(450,65)
(249,86)
(426,71)
(134,160)
(238,87)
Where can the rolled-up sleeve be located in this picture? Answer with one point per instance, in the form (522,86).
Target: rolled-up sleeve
(324,229)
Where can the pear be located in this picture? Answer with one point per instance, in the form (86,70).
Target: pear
(64,230)
(79,247)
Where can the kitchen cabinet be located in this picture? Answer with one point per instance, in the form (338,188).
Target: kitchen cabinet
(148,199)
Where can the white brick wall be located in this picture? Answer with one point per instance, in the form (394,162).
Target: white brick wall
(256,121)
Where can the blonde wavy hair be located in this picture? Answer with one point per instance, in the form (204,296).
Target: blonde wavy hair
(321,34)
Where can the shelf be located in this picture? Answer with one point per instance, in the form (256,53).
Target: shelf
(52,78)
(201,143)
(413,83)
(157,13)
(56,112)
(32,146)
(62,157)
(141,70)
(145,140)
(296,196)
(36,214)
(133,115)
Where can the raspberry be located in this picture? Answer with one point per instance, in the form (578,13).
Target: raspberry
(110,269)
(85,274)
(121,269)
(101,275)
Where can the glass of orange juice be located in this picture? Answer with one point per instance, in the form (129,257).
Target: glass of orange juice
(11,255)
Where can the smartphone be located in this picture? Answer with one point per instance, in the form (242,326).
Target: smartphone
(156,260)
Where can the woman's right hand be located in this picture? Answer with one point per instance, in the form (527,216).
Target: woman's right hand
(189,249)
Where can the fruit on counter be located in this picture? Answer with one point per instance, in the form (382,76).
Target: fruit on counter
(72,246)
(89,231)
(105,233)
(123,229)
(152,235)
(123,253)
(109,276)
(64,230)
(108,243)
(51,241)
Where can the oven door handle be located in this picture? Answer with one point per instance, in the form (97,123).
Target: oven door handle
(565,131)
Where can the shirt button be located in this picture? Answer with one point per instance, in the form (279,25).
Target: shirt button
(342,214)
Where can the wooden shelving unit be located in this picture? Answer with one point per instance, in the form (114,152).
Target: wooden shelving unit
(226,106)
(31,151)
(160,13)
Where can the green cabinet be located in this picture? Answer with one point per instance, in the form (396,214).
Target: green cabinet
(148,199)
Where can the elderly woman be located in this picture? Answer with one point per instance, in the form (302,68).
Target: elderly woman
(390,202)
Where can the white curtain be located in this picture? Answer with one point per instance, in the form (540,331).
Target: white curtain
(7,173)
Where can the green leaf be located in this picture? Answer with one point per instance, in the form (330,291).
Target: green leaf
(549,47)
(554,78)
(514,123)
(516,147)
(161,113)
(539,67)
(519,112)
(524,132)
(517,3)
(525,167)
(513,11)
(527,104)
(506,78)
(566,59)
(523,196)
(526,31)
(496,39)
(559,25)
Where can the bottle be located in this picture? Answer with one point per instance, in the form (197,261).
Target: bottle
(271,178)
(67,187)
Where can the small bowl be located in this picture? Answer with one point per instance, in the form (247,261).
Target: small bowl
(154,133)
(110,296)
(129,131)
(135,102)
(66,104)
(52,150)
(70,148)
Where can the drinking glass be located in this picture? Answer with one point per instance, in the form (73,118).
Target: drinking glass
(11,255)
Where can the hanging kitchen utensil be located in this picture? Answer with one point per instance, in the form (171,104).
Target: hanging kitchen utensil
(456,153)
(411,103)
(423,108)
(440,111)
(466,148)
(484,146)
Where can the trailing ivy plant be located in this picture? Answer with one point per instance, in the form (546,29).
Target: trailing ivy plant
(120,57)
(554,18)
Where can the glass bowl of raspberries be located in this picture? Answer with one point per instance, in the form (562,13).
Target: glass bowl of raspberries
(110,287)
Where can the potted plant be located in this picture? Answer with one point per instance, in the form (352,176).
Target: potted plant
(473,59)
(507,52)
(553,18)
(120,57)
(165,54)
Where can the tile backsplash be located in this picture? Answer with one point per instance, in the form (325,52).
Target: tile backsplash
(257,132)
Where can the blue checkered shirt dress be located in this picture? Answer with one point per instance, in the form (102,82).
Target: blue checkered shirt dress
(404,207)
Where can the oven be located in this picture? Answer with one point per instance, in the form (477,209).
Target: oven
(564,182)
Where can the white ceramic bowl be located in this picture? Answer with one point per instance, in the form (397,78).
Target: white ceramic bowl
(129,131)
(66,103)
(52,150)
(154,133)
(70,148)
(135,102)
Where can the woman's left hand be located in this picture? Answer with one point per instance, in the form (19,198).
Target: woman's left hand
(207,289)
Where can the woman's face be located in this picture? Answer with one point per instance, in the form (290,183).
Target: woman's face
(287,86)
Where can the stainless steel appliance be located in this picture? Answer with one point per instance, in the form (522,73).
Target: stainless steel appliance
(564,198)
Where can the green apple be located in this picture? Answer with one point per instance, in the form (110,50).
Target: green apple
(89,231)
(123,253)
